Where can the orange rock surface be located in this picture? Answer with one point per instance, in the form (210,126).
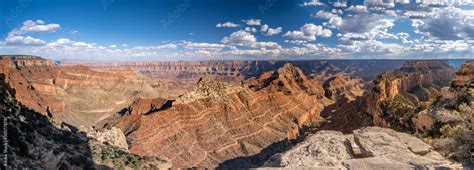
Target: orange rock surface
(75,95)
(217,121)
(419,80)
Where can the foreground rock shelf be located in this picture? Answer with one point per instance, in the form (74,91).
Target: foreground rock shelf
(380,148)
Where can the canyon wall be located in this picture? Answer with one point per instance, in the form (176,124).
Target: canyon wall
(217,121)
(188,72)
(36,142)
(397,95)
(75,95)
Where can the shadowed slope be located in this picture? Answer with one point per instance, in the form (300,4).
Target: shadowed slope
(218,121)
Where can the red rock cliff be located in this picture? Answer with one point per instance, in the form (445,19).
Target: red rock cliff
(217,121)
(416,81)
(75,95)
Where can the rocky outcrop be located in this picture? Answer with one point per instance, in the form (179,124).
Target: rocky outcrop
(211,90)
(218,121)
(396,96)
(465,75)
(445,120)
(323,149)
(112,136)
(399,147)
(381,149)
(342,87)
(75,95)
(448,121)
(19,61)
(286,79)
(32,140)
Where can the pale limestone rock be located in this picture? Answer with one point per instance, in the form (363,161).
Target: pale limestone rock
(396,146)
(375,163)
(113,136)
(325,148)
(355,148)
(367,148)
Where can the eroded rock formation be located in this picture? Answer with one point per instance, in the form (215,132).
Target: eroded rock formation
(32,140)
(397,95)
(444,120)
(228,117)
(75,95)
(218,121)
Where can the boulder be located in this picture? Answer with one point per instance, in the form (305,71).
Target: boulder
(324,149)
(396,146)
(379,148)
(113,136)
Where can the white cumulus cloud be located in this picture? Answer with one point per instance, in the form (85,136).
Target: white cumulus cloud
(313,3)
(309,32)
(227,24)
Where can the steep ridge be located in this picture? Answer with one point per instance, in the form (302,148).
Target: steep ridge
(75,95)
(396,96)
(217,121)
(32,140)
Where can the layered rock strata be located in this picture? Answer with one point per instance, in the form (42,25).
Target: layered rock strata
(75,95)
(186,73)
(218,121)
(397,95)
(32,140)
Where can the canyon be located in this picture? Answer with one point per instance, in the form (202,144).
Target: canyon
(35,141)
(75,95)
(187,73)
(228,114)
(85,94)
(217,121)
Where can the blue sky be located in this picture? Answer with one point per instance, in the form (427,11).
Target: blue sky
(230,29)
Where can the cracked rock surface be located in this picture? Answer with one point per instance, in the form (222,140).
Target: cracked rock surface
(380,148)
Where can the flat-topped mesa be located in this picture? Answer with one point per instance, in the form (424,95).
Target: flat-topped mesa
(212,90)
(18,61)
